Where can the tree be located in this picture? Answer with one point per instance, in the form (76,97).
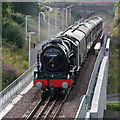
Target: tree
(12,32)
(116,5)
(6,7)
(26,8)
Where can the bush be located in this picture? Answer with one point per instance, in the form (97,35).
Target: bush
(14,34)
(26,8)
(8,75)
(25,65)
(19,18)
(42,9)
(116,22)
(113,106)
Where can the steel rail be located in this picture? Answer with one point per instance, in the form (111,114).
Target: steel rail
(52,106)
(31,115)
(59,107)
(34,110)
(44,107)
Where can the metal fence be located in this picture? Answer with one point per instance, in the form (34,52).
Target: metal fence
(85,102)
(10,92)
(86,99)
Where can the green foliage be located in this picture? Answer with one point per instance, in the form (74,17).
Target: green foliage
(113,69)
(116,22)
(113,73)
(6,9)
(26,8)
(0,41)
(113,106)
(8,77)
(13,34)
(42,9)
(14,63)
(25,64)
(13,23)
(18,18)
(116,5)
(14,57)
(76,16)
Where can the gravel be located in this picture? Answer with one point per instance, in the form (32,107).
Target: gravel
(26,104)
(71,106)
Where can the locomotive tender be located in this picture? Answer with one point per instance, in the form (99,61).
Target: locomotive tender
(63,56)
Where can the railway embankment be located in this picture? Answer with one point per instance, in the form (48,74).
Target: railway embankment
(30,99)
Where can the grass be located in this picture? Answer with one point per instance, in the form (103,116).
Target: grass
(113,106)
(14,63)
(15,58)
(113,73)
(113,81)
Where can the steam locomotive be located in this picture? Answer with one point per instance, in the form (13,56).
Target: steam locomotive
(61,58)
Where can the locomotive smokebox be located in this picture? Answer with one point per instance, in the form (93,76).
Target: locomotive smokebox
(54,55)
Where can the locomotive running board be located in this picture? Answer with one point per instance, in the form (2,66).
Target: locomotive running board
(79,68)
(73,69)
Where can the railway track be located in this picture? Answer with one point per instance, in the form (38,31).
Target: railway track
(48,108)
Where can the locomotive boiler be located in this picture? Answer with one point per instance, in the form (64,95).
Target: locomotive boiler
(62,57)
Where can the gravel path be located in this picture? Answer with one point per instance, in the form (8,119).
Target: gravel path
(71,106)
(28,102)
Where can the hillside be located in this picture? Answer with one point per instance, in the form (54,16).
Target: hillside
(114,70)
(114,59)
(14,44)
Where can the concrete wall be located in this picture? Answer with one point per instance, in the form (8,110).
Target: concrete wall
(99,98)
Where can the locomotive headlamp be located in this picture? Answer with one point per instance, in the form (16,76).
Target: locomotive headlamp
(68,76)
(38,85)
(52,76)
(65,85)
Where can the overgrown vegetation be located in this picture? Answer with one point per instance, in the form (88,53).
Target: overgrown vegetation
(113,85)
(113,76)
(14,62)
(113,106)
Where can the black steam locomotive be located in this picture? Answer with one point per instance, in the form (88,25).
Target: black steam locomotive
(63,56)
